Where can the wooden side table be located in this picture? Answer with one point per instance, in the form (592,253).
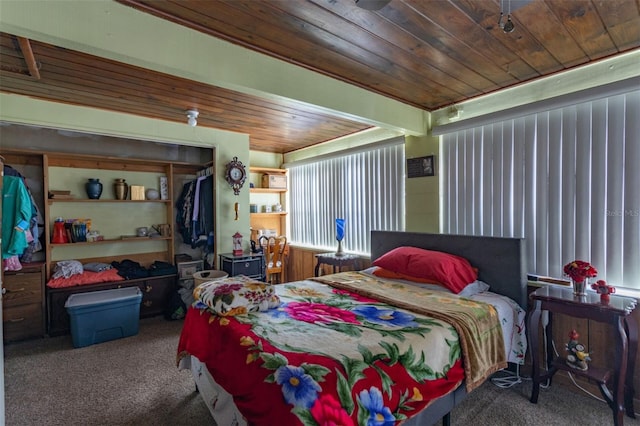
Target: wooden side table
(617,313)
(336,261)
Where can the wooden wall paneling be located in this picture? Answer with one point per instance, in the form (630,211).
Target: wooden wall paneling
(302,262)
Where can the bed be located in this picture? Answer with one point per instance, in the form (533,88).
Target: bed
(392,364)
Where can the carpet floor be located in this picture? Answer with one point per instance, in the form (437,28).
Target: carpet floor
(134,381)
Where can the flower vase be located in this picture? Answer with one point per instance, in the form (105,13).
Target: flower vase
(93,188)
(120,189)
(580,287)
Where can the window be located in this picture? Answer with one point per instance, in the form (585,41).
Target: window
(567,180)
(364,187)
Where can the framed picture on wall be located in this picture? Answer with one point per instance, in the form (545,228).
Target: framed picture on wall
(421,166)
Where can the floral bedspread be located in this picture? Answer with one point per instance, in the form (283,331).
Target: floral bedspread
(298,364)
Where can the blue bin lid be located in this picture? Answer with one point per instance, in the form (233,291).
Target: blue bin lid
(102,296)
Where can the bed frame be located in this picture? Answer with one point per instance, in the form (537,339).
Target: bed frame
(501,263)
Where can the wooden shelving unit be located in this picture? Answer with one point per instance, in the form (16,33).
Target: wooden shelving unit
(264,220)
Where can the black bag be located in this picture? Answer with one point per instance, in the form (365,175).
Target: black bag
(175,309)
(162,268)
(129,269)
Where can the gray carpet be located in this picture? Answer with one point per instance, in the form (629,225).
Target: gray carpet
(130,381)
(134,381)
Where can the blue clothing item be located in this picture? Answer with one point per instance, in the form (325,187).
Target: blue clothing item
(16,207)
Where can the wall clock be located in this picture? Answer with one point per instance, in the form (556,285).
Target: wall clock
(236,174)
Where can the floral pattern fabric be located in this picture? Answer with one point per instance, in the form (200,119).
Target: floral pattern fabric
(298,363)
(236,296)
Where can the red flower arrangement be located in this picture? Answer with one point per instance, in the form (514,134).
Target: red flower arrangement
(579,270)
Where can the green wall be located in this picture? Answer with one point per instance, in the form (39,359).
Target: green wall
(22,110)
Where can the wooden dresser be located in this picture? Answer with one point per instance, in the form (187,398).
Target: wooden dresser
(23,303)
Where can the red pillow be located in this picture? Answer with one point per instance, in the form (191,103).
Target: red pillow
(453,272)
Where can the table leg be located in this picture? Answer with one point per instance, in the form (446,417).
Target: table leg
(622,352)
(548,331)
(317,270)
(533,328)
(629,391)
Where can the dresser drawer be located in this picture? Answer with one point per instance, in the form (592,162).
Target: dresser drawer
(155,295)
(21,322)
(251,266)
(248,267)
(22,288)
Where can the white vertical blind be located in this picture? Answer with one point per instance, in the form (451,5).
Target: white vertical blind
(365,188)
(567,180)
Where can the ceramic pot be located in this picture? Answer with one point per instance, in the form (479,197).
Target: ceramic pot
(152,194)
(120,189)
(93,188)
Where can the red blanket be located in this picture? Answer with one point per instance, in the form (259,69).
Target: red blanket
(326,355)
(87,277)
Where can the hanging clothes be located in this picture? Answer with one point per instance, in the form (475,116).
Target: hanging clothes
(194,218)
(184,213)
(36,223)
(17,211)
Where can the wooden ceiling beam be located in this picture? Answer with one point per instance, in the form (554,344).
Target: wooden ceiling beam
(29,58)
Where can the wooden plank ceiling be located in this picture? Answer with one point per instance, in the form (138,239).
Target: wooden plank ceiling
(426,53)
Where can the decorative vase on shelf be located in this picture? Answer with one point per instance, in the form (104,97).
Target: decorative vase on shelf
(580,287)
(120,189)
(93,188)
(339,236)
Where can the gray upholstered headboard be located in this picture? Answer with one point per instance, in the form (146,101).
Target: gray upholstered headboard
(501,262)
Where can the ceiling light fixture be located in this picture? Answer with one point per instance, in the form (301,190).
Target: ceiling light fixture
(508,26)
(192,117)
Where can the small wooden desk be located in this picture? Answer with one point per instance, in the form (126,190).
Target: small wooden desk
(337,261)
(617,313)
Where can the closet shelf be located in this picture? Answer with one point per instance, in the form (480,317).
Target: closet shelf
(111,241)
(267,190)
(87,200)
(269,214)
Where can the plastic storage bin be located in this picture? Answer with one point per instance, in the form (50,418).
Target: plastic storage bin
(100,316)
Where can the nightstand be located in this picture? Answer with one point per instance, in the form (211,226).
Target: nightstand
(615,382)
(336,261)
(249,264)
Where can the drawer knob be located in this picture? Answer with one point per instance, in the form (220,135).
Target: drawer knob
(148,288)
(148,303)
(246,265)
(17,290)
(16,319)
